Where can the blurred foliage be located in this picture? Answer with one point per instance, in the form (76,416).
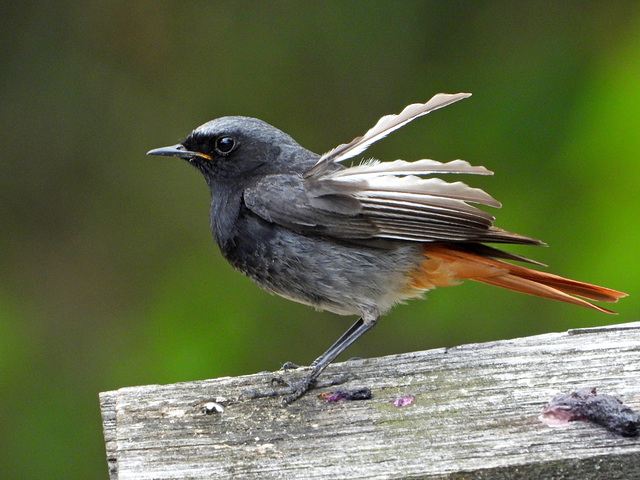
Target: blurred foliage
(108,274)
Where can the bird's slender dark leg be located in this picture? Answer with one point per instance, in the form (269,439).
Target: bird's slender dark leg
(297,389)
(319,364)
(340,345)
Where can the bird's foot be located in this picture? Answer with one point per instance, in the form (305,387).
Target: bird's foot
(293,390)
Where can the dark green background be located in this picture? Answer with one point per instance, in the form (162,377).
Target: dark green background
(108,274)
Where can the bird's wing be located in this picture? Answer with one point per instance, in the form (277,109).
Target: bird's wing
(384,127)
(388,200)
(404,205)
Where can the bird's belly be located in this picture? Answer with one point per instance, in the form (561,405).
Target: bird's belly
(342,278)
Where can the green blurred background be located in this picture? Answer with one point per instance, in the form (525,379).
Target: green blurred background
(108,273)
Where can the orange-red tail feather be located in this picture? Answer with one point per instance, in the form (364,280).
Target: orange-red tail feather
(445,264)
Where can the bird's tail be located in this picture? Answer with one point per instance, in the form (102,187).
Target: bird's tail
(447,264)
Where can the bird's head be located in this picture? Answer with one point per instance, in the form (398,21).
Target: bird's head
(238,148)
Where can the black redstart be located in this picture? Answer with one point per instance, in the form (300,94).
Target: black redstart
(357,240)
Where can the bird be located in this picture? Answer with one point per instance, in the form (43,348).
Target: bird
(356,240)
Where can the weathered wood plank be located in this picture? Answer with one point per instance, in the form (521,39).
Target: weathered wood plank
(475,415)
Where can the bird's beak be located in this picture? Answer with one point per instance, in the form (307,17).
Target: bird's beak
(177,150)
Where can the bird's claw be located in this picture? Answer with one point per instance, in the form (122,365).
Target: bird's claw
(293,390)
(290,366)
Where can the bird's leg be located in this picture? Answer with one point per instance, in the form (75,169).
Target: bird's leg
(300,387)
(296,389)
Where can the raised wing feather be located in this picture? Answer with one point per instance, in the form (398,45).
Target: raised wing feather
(384,127)
(401,167)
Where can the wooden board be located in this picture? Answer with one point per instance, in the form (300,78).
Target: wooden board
(474,416)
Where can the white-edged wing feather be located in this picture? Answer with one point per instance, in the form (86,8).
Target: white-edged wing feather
(402,177)
(384,127)
(410,188)
(402,167)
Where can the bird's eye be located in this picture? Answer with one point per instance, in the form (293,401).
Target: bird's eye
(225,145)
